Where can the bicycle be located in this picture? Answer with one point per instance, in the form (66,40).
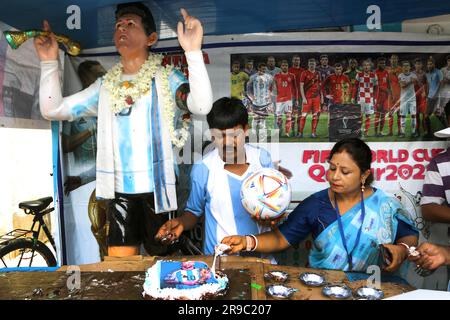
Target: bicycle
(22,245)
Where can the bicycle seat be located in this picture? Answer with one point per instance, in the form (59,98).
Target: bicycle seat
(36,205)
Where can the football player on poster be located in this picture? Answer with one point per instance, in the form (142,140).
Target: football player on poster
(325,70)
(421,94)
(434,81)
(337,87)
(394,99)
(312,98)
(407,80)
(249,67)
(296,70)
(259,91)
(352,70)
(238,80)
(285,92)
(382,100)
(364,93)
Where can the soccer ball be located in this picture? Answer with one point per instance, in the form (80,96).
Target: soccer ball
(266,193)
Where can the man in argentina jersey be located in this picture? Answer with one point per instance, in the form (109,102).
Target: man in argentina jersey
(259,91)
(217,179)
(407,80)
(135,170)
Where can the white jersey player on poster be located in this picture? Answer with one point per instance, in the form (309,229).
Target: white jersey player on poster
(259,91)
(407,80)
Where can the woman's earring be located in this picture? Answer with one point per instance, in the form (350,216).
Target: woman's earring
(363,187)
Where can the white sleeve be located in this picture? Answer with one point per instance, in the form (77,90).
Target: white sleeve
(200,98)
(52,104)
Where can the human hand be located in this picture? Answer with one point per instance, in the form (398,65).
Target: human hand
(169,231)
(46,46)
(431,256)
(305,101)
(398,253)
(267,222)
(191,35)
(71,183)
(236,243)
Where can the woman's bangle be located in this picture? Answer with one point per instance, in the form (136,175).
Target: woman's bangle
(255,242)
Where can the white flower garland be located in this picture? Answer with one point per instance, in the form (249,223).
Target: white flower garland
(124,94)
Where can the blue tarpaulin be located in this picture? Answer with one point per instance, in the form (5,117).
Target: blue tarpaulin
(218,17)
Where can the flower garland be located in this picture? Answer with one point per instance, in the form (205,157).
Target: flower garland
(124,94)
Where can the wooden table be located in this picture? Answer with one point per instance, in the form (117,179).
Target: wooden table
(131,271)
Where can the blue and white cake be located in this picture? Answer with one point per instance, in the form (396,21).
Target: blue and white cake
(176,280)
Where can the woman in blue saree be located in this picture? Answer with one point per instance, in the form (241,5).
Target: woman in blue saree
(351,222)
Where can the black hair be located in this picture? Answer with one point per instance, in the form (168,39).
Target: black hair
(141,10)
(86,74)
(227,113)
(262,64)
(447,110)
(381,59)
(359,151)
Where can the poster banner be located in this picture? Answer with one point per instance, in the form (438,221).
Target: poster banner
(19,86)
(353,94)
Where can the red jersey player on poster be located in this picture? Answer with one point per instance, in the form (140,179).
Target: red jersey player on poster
(420,88)
(394,99)
(337,86)
(312,97)
(297,70)
(364,92)
(285,91)
(382,100)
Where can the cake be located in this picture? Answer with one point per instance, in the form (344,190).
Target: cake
(176,280)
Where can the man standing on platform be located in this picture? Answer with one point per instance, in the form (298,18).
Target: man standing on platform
(135,103)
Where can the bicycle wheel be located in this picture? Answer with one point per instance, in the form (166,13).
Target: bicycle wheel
(25,253)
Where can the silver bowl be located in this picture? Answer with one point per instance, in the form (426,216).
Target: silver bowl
(280,291)
(338,291)
(369,293)
(278,276)
(312,279)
